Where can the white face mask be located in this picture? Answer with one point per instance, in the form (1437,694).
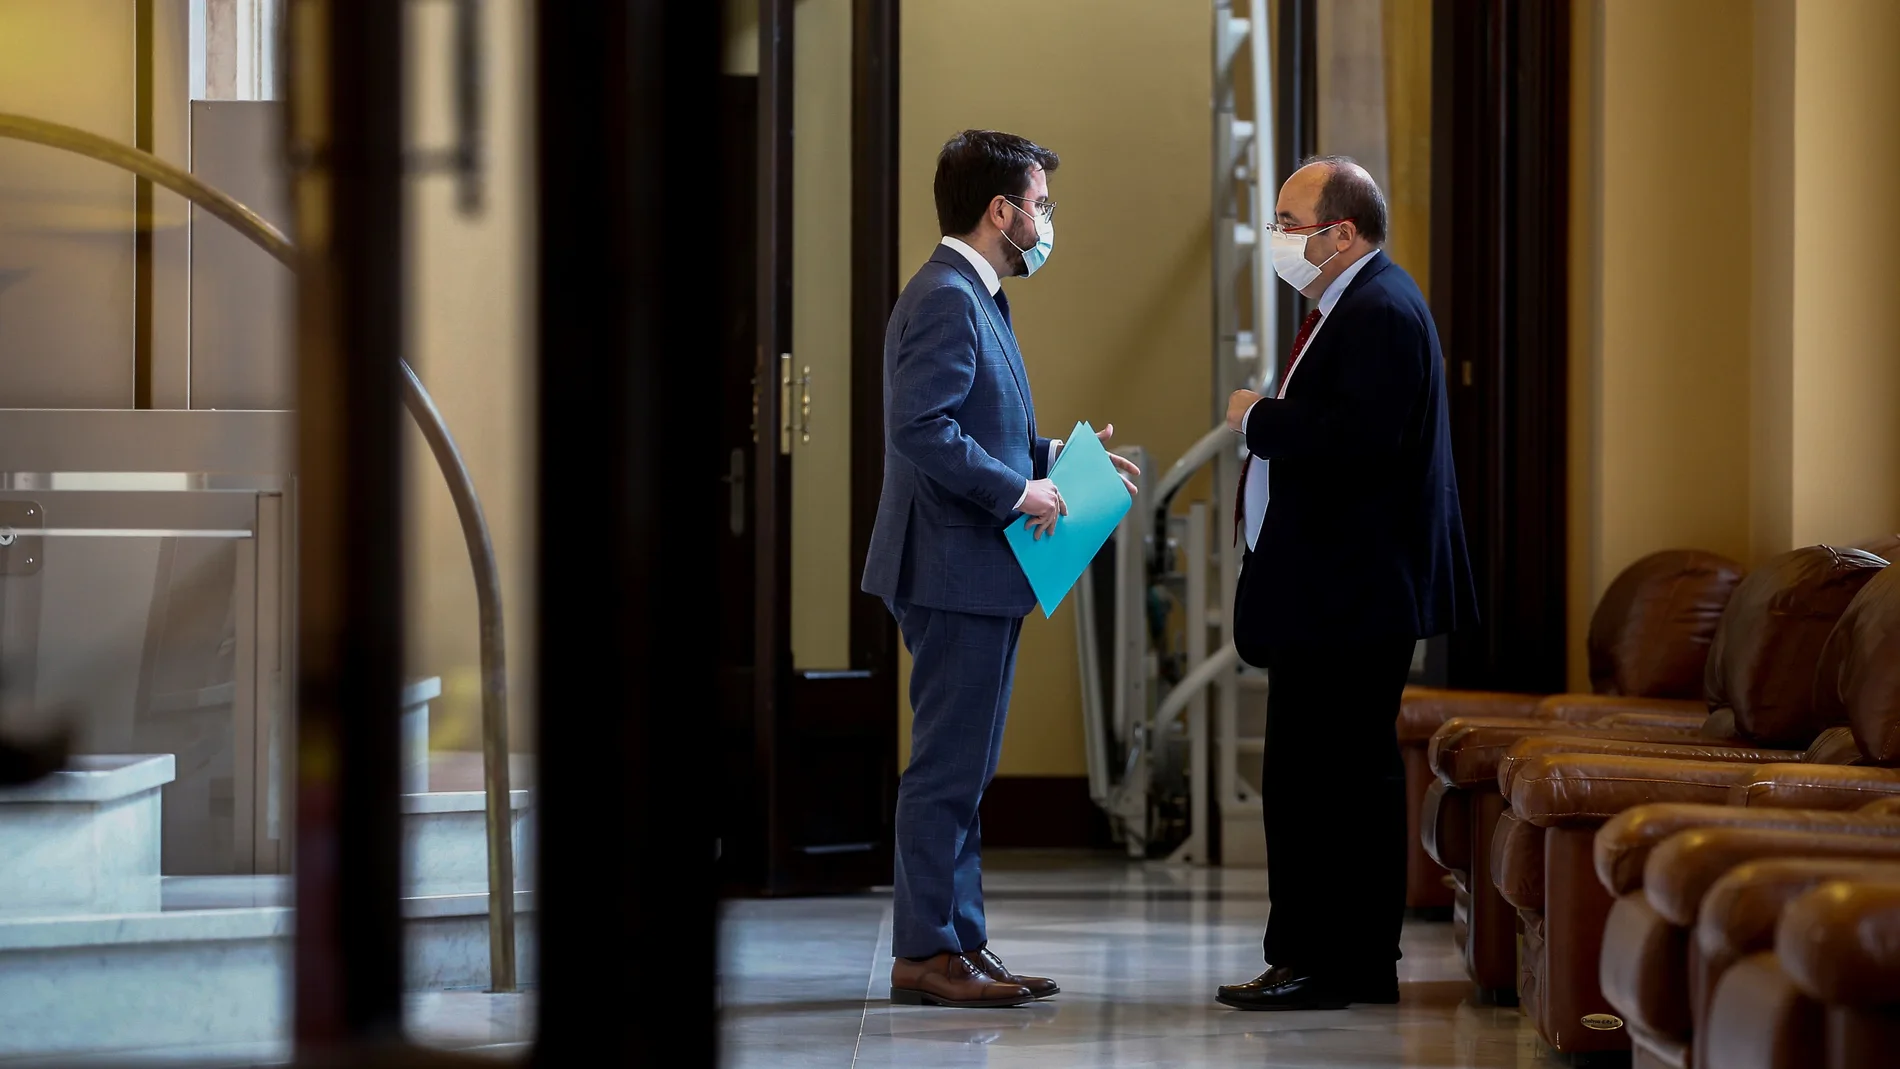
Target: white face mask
(1038,254)
(1289,256)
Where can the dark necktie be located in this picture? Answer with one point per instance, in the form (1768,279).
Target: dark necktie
(1002,305)
(1307,326)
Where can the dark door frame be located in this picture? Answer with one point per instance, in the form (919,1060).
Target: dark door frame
(1500,295)
(801,717)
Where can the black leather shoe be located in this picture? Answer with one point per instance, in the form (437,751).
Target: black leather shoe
(1285,988)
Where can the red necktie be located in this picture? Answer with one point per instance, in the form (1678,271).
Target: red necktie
(1307,326)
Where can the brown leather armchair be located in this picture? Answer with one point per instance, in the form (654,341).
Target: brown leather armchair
(1828,994)
(1779,630)
(1798,594)
(1690,903)
(1649,637)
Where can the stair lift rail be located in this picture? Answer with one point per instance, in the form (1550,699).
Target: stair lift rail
(448,458)
(1161,693)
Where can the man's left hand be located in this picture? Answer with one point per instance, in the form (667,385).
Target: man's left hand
(1237,406)
(1122,464)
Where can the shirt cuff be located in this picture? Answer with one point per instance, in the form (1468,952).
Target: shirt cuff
(1055,450)
(1248,416)
(1024,497)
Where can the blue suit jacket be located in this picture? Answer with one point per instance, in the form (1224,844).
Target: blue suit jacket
(959,442)
(1363,536)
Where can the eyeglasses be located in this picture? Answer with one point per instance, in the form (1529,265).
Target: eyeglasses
(1045,208)
(1281,228)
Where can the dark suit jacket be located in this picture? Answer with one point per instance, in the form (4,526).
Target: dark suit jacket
(959,442)
(1363,538)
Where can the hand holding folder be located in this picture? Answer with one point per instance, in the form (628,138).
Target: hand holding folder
(1091,487)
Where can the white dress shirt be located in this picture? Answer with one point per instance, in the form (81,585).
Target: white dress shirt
(988,274)
(1255,505)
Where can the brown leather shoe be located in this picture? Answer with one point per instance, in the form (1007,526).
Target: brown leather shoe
(1038,986)
(951,980)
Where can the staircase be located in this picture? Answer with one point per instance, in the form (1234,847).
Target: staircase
(100,952)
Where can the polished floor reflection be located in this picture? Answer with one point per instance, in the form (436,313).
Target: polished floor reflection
(1138,951)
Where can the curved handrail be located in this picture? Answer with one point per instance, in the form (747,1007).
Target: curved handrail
(1205,449)
(461,485)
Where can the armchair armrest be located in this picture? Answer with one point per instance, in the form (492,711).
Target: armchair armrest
(1687,723)
(1584,790)
(1423,710)
(1465,752)
(1624,844)
(1591,708)
(1803,785)
(1739,914)
(1681,870)
(1609,744)
(1840,943)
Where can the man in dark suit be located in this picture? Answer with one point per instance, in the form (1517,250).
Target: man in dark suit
(1355,550)
(962,460)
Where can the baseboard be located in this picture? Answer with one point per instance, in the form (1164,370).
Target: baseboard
(1043,812)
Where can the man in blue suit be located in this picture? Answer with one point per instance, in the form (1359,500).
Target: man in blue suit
(1355,549)
(962,460)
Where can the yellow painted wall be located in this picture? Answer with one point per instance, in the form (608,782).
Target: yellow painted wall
(472,338)
(1735,344)
(1118,327)
(1846,319)
(1661,396)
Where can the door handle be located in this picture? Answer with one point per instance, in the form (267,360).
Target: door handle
(804,406)
(785,404)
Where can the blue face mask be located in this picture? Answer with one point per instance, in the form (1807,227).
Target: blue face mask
(1038,254)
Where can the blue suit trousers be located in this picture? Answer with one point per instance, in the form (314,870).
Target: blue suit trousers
(963,666)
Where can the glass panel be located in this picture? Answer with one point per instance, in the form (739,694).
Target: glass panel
(822,583)
(470,296)
(1375,105)
(145,615)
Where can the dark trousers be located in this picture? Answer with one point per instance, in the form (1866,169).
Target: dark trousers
(962,666)
(1333,791)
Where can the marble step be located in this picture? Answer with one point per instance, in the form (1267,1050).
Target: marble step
(212,967)
(445,842)
(84,839)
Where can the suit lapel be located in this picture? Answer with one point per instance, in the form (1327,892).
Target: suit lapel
(1003,332)
(1376,263)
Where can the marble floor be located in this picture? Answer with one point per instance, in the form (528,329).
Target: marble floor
(1138,950)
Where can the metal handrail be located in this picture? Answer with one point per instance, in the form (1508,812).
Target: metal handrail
(461,485)
(1207,448)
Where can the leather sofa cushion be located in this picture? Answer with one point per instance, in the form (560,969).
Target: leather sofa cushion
(1760,1020)
(1517,861)
(1803,785)
(1652,628)
(1623,845)
(1763,661)
(1739,913)
(1866,679)
(1644,969)
(1840,943)
(1571,790)
(1445,826)
(1597,708)
(1682,869)
(1466,752)
(1683,750)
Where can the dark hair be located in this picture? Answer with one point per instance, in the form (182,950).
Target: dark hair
(977,165)
(1350,193)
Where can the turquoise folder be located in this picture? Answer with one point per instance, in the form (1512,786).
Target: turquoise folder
(1097,500)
